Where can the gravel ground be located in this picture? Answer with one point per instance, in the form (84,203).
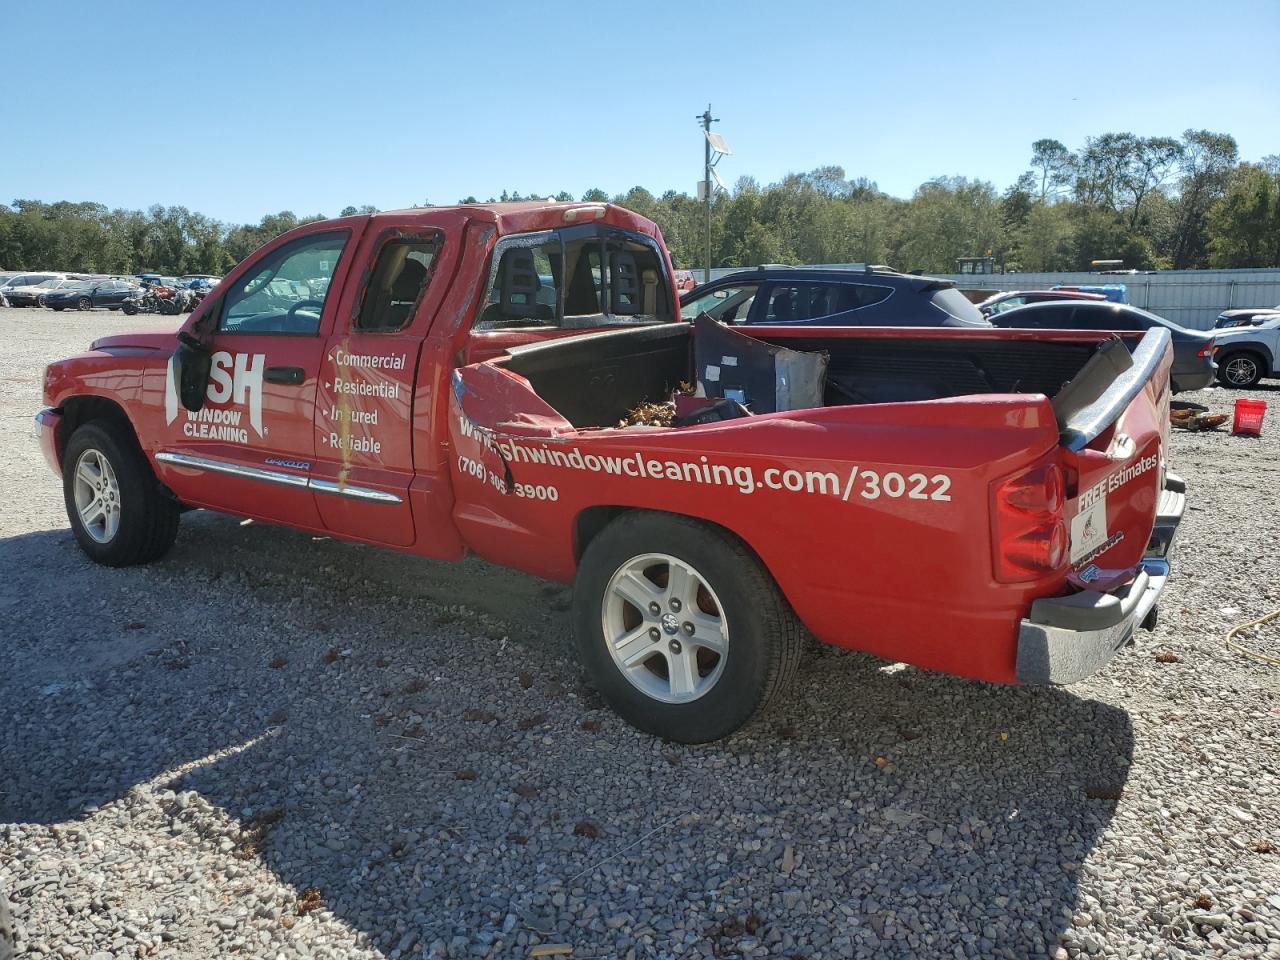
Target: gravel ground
(275,745)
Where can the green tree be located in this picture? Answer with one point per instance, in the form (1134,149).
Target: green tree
(1243,227)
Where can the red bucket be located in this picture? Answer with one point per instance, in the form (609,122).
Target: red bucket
(1248,419)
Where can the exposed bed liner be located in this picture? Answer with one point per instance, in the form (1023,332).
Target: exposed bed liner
(595,380)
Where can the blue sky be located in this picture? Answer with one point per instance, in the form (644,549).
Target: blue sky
(241,109)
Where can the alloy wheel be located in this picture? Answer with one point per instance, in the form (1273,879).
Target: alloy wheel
(97,495)
(1241,370)
(665,628)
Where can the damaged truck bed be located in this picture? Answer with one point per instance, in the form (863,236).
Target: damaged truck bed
(969,501)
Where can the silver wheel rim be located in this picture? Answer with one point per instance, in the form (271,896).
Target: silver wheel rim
(97,496)
(1241,370)
(665,628)
(84,303)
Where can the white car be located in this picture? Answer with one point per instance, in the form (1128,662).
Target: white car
(25,289)
(1247,354)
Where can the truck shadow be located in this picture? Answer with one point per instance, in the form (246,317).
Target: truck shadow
(424,753)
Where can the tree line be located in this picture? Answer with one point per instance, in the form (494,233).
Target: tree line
(1152,202)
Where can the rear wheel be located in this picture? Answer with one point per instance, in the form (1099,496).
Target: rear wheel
(1241,370)
(681,629)
(118,513)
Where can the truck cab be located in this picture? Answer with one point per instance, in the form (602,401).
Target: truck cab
(329,352)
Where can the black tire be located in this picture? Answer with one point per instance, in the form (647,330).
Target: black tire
(147,519)
(1241,369)
(84,303)
(129,309)
(765,639)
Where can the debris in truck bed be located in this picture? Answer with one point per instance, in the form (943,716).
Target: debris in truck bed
(655,414)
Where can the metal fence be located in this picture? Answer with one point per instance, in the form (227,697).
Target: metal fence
(1192,298)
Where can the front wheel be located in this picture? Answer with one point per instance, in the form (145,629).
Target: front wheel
(1240,370)
(118,513)
(680,628)
(129,308)
(84,303)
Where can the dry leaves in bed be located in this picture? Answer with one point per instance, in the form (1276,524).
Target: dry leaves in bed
(655,414)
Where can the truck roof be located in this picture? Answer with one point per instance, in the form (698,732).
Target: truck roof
(524,216)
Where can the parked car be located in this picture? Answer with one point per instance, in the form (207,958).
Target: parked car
(1245,317)
(1008,299)
(832,298)
(1247,354)
(685,280)
(1115,292)
(32,296)
(407,411)
(24,289)
(1193,366)
(87,294)
(53,286)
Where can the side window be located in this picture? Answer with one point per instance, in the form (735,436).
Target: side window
(801,301)
(1053,318)
(285,291)
(399,278)
(1107,320)
(727,304)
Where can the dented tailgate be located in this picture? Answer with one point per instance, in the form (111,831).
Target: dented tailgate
(1115,457)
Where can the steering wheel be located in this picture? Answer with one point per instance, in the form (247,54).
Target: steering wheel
(291,314)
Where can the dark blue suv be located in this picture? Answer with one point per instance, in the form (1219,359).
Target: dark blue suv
(832,298)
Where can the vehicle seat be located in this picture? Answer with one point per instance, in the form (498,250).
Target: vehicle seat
(784,306)
(404,292)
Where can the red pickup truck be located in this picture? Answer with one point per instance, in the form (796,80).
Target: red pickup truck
(990,503)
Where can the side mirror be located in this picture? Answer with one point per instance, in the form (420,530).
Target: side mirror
(1258,321)
(191,364)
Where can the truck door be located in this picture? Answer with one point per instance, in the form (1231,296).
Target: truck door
(368,369)
(251,448)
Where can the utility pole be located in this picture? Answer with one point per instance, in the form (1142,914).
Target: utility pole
(707,121)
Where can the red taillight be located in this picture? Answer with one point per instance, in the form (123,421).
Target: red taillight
(1206,350)
(1030,534)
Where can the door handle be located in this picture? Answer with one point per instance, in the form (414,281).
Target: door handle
(286,375)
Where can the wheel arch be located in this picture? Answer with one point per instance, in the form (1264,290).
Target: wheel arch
(1249,346)
(591,522)
(79,410)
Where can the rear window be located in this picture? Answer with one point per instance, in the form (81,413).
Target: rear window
(953,302)
(577,277)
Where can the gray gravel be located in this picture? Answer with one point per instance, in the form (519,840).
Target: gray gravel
(274,745)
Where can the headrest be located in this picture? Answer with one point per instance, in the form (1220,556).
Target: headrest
(409,281)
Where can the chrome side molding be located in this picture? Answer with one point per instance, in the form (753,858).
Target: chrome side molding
(331,487)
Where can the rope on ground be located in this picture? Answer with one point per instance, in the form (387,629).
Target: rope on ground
(1230,642)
